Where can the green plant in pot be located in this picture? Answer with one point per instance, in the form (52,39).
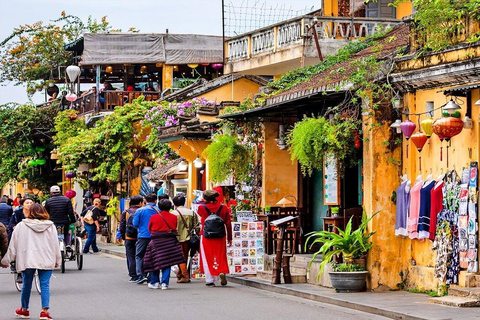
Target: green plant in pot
(349,244)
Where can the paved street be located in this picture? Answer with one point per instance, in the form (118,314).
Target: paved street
(101,291)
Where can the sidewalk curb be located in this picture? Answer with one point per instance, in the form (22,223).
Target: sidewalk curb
(114,253)
(281,289)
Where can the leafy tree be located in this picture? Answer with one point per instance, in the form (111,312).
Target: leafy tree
(35,51)
(25,135)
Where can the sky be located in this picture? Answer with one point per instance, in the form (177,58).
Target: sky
(178,16)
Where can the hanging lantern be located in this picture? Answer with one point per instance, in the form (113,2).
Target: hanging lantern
(143,69)
(357,142)
(205,64)
(70,194)
(217,66)
(407,127)
(427,126)
(71,97)
(73,72)
(109,69)
(419,139)
(447,127)
(70,175)
(193,65)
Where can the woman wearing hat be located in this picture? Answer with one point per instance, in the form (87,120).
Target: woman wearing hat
(213,251)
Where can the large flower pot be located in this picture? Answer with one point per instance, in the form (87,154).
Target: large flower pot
(348,281)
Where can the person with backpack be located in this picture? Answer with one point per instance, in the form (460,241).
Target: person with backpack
(18,215)
(216,231)
(90,222)
(129,235)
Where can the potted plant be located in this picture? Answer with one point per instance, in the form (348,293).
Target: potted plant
(349,244)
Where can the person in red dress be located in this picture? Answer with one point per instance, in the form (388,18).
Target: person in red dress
(213,252)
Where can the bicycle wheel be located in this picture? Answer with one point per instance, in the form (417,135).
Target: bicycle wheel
(63,262)
(37,282)
(78,253)
(18,284)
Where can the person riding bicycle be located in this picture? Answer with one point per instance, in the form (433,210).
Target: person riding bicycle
(60,210)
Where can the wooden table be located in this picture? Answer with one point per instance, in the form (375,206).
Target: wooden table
(333,223)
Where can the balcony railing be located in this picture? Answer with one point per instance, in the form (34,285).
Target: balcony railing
(112,99)
(282,36)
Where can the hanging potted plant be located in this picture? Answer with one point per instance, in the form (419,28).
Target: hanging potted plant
(349,244)
(314,137)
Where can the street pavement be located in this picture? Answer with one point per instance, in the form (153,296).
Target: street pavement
(102,291)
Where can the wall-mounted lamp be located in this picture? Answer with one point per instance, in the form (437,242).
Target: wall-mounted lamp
(396,125)
(198,163)
(183,165)
(281,143)
(451,107)
(284,201)
(397,102)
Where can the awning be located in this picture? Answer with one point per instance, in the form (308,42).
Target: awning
(164,171)
(139,48)
(460,91)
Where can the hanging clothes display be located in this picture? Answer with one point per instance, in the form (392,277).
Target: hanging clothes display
(444,245)
(414,210)
(403,203)
(425,206)
(436,207)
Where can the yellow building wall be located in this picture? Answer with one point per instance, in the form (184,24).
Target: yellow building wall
(280,174)
(404,9)
(167,77)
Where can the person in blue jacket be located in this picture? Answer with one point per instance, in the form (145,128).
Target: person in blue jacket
(140,221)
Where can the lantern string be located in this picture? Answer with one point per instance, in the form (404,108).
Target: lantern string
(420,162)
(421,113)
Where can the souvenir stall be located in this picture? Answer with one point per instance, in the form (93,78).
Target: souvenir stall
(440,209)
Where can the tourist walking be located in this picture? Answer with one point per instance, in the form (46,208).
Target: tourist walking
(18,215)
(213,251)
(90,223)
(187,223)
(141,221)
(163,251)
(6,211)
(34,247)
(3,240)
(129,235)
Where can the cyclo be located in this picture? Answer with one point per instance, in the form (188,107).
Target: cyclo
(73,251)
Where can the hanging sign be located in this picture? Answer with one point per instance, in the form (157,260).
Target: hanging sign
(331,183)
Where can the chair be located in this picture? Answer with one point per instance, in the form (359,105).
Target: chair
(355,214)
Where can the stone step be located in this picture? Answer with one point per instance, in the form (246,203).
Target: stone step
(456,291)
(298,269)
(296,278)
(453,301)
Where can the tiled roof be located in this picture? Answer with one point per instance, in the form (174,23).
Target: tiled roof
(161,172)
(203,86)
(328,81)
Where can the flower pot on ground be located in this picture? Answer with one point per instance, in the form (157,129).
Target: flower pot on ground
(349,245)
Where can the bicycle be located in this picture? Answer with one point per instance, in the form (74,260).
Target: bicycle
(17,277)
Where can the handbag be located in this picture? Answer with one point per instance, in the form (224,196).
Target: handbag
(194,241)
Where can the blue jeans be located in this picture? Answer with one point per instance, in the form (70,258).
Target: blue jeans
(130,248)
(165,276)
(44,277)
(141,248)
(91,238)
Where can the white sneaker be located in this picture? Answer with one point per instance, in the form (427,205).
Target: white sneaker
(164,286)
(154,286)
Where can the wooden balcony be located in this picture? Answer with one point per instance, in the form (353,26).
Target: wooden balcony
(287,45)
(86,104)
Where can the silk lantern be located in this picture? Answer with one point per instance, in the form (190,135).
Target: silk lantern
(70,194)
(426,125)
(419,139)
(70,175)
(71,97)
(407,127)
(447,127)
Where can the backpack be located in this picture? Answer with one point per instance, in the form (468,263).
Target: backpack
(88,217)
(214,226)
(130,230)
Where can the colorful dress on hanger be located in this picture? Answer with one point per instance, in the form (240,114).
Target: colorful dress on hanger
(436,207)
(425,207)
(403,203)
(414,211)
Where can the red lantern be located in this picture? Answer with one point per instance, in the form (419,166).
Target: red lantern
(447,127)
(70,194)
(419,139)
